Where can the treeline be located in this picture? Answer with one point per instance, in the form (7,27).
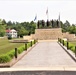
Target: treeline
(23,28)
(48,24)
(66,27)
(27,28)
(2,28)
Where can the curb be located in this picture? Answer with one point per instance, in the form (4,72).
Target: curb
(72,56)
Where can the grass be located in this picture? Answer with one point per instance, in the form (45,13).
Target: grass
(71,45)
(6,46)
(73,42)
(7,51)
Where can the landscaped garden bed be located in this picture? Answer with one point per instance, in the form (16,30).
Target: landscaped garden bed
(7,50)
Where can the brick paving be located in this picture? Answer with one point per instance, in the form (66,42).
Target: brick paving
(46,54)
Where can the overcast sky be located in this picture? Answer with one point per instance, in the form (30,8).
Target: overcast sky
(25,10)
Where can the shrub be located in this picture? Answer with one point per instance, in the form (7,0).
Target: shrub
(4,58)
(32,42)
(61,41)
(9,37)
(11,53)
(73,49)
(20,49)
(28,45)
(71,46)
(65,43)
(8,56)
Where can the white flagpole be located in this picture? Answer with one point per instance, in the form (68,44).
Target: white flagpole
(47,14)
(59,21)
(36,21)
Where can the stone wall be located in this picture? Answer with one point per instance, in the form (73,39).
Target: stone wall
(27,37)
(50,34)
(70,37)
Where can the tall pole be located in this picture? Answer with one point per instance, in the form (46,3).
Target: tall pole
(59,21)
(35,19)
(47,14)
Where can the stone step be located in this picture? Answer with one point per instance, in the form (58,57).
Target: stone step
(47,34)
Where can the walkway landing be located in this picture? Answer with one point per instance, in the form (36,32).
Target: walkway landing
(46,54)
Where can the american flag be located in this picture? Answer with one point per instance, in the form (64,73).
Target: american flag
(35,18)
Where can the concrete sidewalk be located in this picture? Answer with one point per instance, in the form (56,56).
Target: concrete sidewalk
(46,54)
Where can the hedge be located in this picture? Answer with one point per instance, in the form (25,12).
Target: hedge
(20,49)
(11,53)
(71,46)
(4,58)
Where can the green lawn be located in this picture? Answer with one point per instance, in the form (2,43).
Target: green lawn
(7,51)
(74,42)
(6,46)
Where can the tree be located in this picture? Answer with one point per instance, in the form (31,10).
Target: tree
(38,24)
(2,29)
(9,24)
(57,23)
(33,27)
(48,23)
(3,22)
(43,23)
(72,29)
(66,26)
(22,32)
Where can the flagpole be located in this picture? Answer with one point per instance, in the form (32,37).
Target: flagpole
(36,20)
(47,14)
(59,21)
(47,17)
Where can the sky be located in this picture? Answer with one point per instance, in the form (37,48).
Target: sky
(26,10)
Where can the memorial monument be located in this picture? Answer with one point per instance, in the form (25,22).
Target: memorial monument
(49,30)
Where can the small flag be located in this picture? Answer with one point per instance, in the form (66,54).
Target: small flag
(35,18)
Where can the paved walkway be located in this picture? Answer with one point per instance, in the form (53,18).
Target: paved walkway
(46,54)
